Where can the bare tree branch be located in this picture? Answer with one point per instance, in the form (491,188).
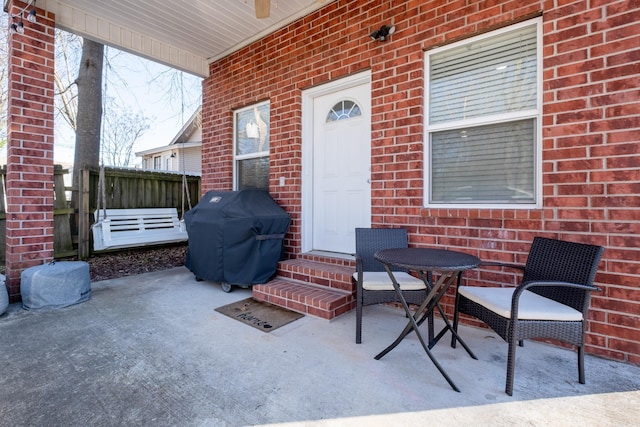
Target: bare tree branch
(122,128)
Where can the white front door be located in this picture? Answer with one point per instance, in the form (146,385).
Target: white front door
(341,167)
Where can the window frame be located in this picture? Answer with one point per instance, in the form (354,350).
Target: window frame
(535,114)
(255,155)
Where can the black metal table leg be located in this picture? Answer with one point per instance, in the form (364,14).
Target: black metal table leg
(450,264)
(436,292)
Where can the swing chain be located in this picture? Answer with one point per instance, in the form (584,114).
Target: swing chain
(185,190)
(102,195)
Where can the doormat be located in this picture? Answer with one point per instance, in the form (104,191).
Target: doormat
(261,315)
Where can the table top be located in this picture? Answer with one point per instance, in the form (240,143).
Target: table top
(426,259)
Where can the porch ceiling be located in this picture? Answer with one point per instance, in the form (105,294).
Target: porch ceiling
(184,34)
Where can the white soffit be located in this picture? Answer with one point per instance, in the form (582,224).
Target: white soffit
(183,34)
(102,29)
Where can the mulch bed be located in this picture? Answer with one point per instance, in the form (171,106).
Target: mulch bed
(127,262)
(135,261)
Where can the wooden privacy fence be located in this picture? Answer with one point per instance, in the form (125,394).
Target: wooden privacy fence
(124,189)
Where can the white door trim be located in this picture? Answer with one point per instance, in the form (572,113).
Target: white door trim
(307,147)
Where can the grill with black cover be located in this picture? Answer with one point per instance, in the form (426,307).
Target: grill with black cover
(235,237)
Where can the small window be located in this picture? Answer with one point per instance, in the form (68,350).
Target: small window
(157,162)
(343,110)
(251,147)
(483,120)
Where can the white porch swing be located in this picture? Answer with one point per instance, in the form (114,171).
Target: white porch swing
(127,228)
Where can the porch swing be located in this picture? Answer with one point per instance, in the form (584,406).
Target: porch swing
(129,228)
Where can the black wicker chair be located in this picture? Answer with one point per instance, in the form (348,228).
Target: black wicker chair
(373,285)
(551,302)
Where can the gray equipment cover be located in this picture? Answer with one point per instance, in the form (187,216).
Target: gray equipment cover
(55,285)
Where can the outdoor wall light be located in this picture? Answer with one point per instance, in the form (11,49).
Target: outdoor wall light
(17,28)
(31,17)
(384,32)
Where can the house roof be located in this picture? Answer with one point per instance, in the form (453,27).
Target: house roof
(166,148)
(186,35)
(192,125)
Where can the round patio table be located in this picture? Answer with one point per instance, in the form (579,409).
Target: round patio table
(450,265)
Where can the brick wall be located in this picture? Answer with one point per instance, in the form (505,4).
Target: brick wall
(29,185)
(591,130)
(591,163)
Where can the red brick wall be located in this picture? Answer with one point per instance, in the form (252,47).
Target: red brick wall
(591,163)
(591,128)
(29,184)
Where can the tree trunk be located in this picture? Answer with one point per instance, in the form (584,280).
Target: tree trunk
(89,117)
(88,124)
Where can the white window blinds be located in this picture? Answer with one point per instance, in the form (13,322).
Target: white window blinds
(481,164)
(483,119)
(492,76)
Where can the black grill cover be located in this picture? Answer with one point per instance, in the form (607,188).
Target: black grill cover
(235,236)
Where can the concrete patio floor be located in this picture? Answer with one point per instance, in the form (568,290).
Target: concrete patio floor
(150,350)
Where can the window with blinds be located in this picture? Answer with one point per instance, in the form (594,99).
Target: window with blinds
(251,147)
(483,119)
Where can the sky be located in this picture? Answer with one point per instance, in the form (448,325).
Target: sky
(135,84)
(139,86)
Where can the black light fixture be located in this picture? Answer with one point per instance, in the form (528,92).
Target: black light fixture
(31,17)
(384,32)
(17,28)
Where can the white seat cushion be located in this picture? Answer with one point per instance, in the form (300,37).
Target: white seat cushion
(531,306)
(380,281)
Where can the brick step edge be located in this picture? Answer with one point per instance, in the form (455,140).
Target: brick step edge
(331,276)
(305,298)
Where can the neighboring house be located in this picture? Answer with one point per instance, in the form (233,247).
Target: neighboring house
(476,125)
(184,152)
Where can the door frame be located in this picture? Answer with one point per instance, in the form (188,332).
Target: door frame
(308,112)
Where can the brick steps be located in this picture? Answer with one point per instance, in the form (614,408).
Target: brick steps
(320,289)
